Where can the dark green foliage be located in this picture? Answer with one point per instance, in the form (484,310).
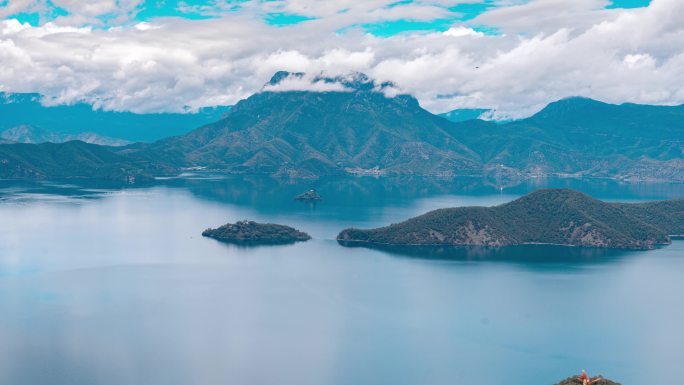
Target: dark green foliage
(252,233)
(74,159)
(555,216)
(665,215)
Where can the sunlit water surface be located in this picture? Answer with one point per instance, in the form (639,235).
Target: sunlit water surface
(109,286)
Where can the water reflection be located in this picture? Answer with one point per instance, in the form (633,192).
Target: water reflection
(26,191)
(367,191)
(522,254)
(278,194)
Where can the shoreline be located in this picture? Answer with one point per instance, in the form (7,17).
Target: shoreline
(418,245)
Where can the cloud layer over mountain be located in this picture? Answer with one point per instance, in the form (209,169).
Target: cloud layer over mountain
(513,58)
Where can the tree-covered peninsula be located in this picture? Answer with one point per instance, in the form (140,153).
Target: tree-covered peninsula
(549,216)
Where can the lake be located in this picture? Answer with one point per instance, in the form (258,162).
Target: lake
(117,286)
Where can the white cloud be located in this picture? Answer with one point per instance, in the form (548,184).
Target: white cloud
(12,26)
(12,7)
(79,12)
(144,26)
(306,82)
(639,61)
(571,48)
(461,31)
(548,16)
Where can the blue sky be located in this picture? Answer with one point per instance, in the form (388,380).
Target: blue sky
(149,10)
(629,3)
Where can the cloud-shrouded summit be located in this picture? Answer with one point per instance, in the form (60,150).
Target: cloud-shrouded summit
(513,57)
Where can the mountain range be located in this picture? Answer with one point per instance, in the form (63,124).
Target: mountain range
(26,109)
(366,128)
(34,135)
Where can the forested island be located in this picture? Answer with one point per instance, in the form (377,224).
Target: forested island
(253,233)
(548,216)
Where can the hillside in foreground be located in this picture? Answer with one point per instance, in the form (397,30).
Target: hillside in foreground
(549,216)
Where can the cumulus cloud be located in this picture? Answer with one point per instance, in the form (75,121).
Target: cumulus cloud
(174,64)
(91,12)
(75,12)
(548,16)
(305,82)
(461,31)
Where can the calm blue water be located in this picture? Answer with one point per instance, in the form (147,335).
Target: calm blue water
(101,286)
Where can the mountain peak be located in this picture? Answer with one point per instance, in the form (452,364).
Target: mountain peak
(279,76)
(351,82)
(570,105)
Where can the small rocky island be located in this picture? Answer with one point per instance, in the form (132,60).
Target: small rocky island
(309,196)
(549,216)
(577,380)
(253,233)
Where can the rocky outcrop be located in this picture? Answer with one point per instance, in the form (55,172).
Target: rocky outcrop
(309,196)
(594,381)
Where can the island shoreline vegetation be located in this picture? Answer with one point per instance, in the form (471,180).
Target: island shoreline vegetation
(546,217)
(558,217)
(250,233)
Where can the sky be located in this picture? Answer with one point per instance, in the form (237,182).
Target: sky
(511,56)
